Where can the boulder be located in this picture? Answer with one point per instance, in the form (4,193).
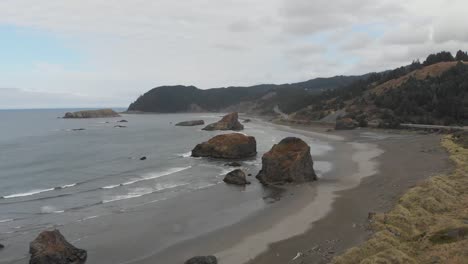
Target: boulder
(247,120)
(92,114)
(191,123)
(120,126)
(143,158)
(227,146)
(202,260)
(287,161)
(2,246)
(346,123)
(228,122)
(122,121)
(50,247)
(233,164)
(236,177)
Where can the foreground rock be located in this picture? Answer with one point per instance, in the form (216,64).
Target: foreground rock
(50,247)
(191,123)
(227,146)
(236,177)
(346,124)
(92,114)
(228,122)
(287,161)
(2,246)
(202,260)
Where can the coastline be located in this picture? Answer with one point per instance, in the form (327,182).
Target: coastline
(407,159)
(300,206)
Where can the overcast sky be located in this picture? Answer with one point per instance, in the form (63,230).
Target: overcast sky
(95,53)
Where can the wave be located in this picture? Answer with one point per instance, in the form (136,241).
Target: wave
(185,155)
(6,220)
(29,193)
(149,176)
(48,209)
(142,192)
(66,186)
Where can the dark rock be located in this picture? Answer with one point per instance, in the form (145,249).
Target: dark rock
(250,174)
(346,124)
(122,121)
(227,146)
(202,260)
(191,123)
(78,129)
(92,114)
(50,247)
(2,246)
(233,164)
(228,122)
(120,126)
(287,161)
(236,177)
(247,120)
(143,158)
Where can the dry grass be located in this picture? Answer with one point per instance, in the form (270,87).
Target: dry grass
(428,71)
(429,224)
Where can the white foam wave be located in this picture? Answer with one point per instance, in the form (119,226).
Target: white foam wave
(6,220)
(48,209)
(29,193)
(149,176)
(185,155)
(225,171)
(139,192)
(68,186)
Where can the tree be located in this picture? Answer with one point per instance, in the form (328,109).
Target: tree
(438,57)
(461,56)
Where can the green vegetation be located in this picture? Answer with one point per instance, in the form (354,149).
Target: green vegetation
(428,224)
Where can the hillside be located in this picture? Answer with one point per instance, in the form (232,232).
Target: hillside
(171,99)
(434,92)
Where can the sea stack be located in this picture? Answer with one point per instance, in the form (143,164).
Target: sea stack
(227,146)
(287,161)
(51,247)
(228,122)
(92,114)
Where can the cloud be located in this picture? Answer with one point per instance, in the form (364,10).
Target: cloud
(125,48)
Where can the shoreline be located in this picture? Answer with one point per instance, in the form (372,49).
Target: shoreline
(292,216)
(407,159)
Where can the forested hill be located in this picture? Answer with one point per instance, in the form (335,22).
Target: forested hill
(173,99)
(432,92)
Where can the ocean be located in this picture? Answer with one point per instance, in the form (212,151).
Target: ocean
(85,177)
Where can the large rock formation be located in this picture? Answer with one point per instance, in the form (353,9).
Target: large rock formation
(236,177)
(50,247)
(227,146)
(202,260)
(346,123)
(92,114)
(287,161)
(228,122)
(191,123)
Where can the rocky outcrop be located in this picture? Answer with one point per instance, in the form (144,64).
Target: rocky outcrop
(227,146)
(346,124)
(228,122)
(92,114)
(2,246)
(50,247)
(191,123)
(202,260)
(236,177)
(122,121)
(287,161)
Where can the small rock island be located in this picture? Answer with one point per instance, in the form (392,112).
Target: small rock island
(92,114)
(287,161)
(191,123)
(227,146)
(228,122)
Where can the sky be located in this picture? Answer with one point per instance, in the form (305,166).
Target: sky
(100,53)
